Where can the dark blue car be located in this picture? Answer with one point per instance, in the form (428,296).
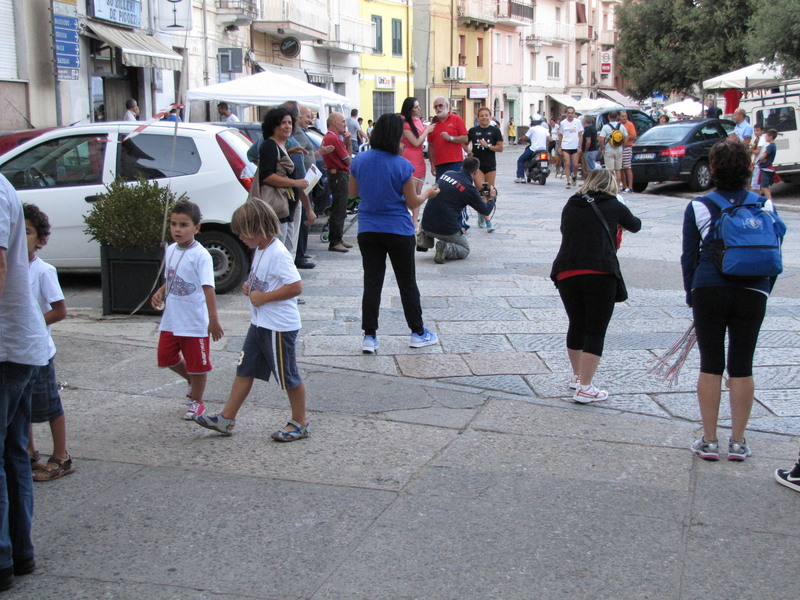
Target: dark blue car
(677,151)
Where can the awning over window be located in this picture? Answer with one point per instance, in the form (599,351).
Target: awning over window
(619,98)
(323,78)
(138,50)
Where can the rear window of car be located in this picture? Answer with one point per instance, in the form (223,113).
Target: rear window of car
(151,156)
(665,135)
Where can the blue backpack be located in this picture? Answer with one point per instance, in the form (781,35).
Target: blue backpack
(748,238)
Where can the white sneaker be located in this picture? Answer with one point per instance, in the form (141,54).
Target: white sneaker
(589,393)
(574,381)
(195,409)
(519,180)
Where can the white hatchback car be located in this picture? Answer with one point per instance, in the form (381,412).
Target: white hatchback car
(63,171)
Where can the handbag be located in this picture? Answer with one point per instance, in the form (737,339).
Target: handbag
(622,291)
(277,198)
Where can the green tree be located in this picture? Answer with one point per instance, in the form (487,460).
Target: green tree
(775,35)
(673,45)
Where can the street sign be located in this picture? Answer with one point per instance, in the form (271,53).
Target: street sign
(66,40)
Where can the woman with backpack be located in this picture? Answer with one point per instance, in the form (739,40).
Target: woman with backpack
(721,303)
(586,273)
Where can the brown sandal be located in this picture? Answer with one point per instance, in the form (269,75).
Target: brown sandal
(36,461)
(60,467)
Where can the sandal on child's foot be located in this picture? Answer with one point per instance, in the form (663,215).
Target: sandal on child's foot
(216,423)
(293,431)
(55,468)
(37,464)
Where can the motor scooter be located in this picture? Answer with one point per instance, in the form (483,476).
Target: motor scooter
(537,167)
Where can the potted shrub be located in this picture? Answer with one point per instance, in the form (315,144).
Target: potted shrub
(129,222)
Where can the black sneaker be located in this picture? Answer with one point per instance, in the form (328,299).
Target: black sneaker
(790,479)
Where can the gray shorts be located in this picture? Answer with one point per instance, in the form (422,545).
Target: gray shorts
(613,158)
(266,352)
(627,157)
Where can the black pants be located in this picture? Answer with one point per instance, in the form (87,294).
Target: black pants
(400,248)
(443,168)
(339,183)
(737,310)
(302,239)
(589,302)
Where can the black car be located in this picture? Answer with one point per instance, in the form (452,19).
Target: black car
(677,151)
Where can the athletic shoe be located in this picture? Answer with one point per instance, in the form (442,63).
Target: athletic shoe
(489,227)
(441,250)
(216,422)
(789,478)
(569,185)
(519,180)
(706,450)
(584,394)
(428,338)
(574,381)
(195,408)
(574,180)
(738,450)
(481,223)
(370,344)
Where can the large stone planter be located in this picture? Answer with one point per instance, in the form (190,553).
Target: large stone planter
(127,278)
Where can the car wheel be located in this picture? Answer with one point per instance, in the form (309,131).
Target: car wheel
(639,186)
(231,261)
(701,177)
(542,179)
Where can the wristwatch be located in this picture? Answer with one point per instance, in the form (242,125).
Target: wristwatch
(450,136)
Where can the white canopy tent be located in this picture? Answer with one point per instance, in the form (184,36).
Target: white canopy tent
(757,75)
(584,105)
(270,89)
(688,107)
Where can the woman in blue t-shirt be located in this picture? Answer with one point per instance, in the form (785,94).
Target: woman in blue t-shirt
(384,181)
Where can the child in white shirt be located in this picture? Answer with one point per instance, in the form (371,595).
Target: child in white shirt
(189,304)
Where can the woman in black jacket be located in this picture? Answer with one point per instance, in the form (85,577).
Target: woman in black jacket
(586,273)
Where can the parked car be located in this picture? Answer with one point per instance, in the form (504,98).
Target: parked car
(641,120)
(65,170)
(677,151)
(12,139)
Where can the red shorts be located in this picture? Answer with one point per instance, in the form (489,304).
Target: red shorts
(195,351)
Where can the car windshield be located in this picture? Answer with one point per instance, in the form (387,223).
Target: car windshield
(665,135)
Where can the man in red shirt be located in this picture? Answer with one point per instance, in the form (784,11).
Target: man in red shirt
(338,165)
(445,149)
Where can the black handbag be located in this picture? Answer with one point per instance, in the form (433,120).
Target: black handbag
(622,291)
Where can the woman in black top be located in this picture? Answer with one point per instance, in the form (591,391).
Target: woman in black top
(586,273)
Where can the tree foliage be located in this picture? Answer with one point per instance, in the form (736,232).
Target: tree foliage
(775,35)
(673,45)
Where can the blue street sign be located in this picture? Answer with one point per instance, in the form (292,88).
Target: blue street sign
(68,61)
(67,49)
(67,35)
(65,22)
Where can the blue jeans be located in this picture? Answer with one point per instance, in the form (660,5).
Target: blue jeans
(16,482)
(591,160)
(523,158)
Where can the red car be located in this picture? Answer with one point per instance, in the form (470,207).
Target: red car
(9,141)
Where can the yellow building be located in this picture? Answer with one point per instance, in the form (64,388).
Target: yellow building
(386,75)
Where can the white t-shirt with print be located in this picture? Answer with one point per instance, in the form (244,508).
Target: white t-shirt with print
(188,270)
(272,268)
(46,290)
(570,131)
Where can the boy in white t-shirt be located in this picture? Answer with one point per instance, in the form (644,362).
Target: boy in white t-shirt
(46,404)
(189,304)
(269,348)
(757,145)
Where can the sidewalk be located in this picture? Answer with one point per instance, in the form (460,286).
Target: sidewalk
(457,471)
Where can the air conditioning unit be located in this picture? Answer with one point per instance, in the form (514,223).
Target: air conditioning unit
(451,73)
(461,73)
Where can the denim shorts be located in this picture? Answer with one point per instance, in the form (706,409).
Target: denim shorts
(45,401)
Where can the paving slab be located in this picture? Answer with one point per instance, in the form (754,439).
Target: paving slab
(432,366)
(504,363)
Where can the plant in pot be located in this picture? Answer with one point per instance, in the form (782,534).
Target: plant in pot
(130,222)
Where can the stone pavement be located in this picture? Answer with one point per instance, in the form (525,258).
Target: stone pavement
(457,471)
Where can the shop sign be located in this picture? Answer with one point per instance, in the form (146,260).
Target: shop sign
(606,58)
(124,12)
(478,93)
(290,47)
(384,82)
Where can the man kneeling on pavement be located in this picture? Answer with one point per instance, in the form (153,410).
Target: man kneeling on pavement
(442,217)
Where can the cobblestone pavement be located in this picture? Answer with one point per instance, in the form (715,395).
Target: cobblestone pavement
(502,326)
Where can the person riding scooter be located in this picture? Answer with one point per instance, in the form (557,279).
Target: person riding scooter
(534,163)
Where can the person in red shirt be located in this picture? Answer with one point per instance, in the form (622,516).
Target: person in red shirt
(338,165)
(445,145)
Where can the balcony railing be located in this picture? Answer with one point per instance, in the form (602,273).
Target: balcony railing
(351,34)
(584,32)
(512,12)
(305,19)
(477,11)
(245,7)
(608,38)
(551,33)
